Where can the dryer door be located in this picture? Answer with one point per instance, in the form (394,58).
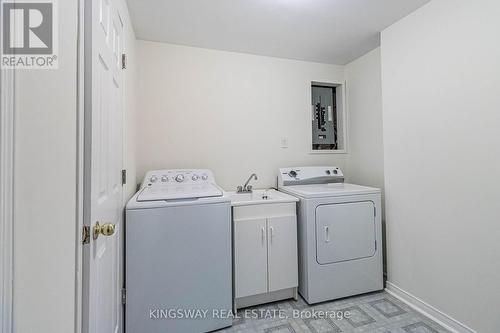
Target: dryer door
(345,231)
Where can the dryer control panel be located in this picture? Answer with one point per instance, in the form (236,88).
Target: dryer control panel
(309,175)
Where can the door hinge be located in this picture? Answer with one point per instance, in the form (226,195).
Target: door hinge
(375,245)
(124,177)
(86,234)
(124,296)
(374,211)
(124,61)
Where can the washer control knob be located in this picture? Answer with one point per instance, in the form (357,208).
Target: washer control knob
(164,179)
(335,172)
(195,177)
(328,172)
(293,173)
(204,177)
(179,178)
(153,179)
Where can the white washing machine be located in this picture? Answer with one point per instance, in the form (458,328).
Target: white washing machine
(178,261)
(339,231)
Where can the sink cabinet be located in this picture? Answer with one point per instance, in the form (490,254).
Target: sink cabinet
(250,257)
(265,253)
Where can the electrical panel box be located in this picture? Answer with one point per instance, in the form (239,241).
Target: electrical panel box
(326,118)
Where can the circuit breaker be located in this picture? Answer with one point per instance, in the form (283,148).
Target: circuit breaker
(324,118)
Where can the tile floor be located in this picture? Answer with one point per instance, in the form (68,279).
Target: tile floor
(376,312)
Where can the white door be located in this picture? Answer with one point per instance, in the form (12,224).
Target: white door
(102,266)
(250,257)
(345,231)
(282,249)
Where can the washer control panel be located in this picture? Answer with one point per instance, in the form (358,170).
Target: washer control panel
(178,177)
(309,175)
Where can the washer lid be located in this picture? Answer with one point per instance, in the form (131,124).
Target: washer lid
(328,190)
(173,192)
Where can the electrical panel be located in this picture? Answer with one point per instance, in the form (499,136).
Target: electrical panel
(324,118)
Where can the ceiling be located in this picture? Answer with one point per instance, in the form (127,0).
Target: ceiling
(327,31)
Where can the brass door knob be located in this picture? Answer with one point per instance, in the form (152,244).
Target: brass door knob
(107,229)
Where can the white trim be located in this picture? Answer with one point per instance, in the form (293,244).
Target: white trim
(80,166)
(6,199)
(6,196)
(428,310)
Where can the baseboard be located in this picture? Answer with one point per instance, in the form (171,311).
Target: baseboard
(440,317)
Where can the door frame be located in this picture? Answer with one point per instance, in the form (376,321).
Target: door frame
(80,149)
(7,108)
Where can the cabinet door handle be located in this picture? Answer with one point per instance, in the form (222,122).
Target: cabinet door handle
(327,234)
(263,235)
(272,233)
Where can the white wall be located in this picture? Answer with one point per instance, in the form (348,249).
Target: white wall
(45,189)
(441,101)
(226,111)
(365,162)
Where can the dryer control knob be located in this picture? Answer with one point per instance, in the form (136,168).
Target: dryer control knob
(179,178)
(164,179)
(153,179)
(293,173)
(204,177)
(195,177)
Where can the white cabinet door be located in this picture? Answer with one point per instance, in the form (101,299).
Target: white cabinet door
(282,248)
(250,257)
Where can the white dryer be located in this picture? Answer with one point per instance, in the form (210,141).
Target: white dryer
(178,261)
(339,231)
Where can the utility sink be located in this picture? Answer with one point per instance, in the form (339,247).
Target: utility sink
(258,197)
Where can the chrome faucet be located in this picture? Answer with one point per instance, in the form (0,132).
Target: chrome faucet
(246,188)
